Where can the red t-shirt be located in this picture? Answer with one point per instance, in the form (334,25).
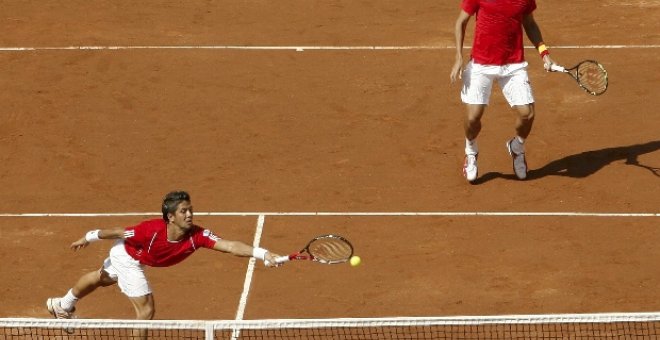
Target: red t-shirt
(147,242)
(498,38)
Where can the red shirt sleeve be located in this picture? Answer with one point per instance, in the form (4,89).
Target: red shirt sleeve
(136,235)
(204,238)
(470,6)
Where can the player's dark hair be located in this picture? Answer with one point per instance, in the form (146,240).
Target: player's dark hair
(172,200)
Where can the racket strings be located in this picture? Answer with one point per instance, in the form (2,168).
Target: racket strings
(592,77)
(331,250)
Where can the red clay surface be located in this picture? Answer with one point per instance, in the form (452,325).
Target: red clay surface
(355,130)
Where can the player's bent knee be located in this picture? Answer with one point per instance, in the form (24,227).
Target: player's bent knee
(145,313)
(105,279)
(473,121)
(525,112)
(144,307)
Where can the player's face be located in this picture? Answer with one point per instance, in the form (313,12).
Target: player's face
(183,216)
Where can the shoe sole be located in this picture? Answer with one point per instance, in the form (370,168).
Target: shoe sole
(513,164)
(51,308)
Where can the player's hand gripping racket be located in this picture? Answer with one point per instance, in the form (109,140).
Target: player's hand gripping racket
(589,74)
(327,249)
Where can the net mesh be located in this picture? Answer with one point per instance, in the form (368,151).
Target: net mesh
(577,326)
(592,77)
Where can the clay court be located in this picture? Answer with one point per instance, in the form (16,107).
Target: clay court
(370,138)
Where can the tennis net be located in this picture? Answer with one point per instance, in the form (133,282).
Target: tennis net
(558,326)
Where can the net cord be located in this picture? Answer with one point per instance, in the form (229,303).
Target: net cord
(206,325)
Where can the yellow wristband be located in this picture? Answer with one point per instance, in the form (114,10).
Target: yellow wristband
(542,48)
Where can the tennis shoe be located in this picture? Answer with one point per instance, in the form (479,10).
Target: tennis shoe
(470,170)
(56,310)
(519,160)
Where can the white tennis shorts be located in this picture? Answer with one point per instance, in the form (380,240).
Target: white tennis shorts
(127,271)
(513,79)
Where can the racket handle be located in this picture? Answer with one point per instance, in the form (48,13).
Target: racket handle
(282,259)
(557,68)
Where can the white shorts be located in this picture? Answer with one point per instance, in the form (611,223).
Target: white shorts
(513,79)
(127,271)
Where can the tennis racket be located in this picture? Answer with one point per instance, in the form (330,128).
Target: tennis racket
(327,249)
(589,74)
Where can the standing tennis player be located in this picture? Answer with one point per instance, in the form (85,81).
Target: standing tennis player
(156,243)
(497,54)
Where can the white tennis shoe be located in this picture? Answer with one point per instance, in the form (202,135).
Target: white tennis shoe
(470,170)
(519,161)
(56,310)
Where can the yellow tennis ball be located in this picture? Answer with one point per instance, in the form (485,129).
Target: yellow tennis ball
(355,261)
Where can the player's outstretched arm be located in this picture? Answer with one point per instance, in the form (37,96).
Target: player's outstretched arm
(239,248)
(95,235)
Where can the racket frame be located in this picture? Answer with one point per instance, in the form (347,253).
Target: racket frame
(305,254)
(574,74)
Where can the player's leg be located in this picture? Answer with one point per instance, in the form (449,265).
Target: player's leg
(133,282)
(472,123)
(517,90)
(472,127)
(475,93)
(516,145)
(144,310)
(64,307)
(525,120)
(144,306)
(90,281)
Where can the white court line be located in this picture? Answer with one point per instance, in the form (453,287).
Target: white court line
(321,213)
(248,276)
(294,48)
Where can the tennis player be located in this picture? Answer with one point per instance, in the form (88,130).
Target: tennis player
(497,54)
(156,243)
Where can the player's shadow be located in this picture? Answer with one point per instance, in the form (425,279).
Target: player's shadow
(587,163)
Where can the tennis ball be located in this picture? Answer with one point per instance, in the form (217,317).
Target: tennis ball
(355,261)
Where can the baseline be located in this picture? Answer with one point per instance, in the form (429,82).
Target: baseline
(329,213)
(294,48)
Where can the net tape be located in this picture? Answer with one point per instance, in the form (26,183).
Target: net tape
(552,326)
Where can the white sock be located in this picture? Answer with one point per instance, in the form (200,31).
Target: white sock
(471,147)
(68,301)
